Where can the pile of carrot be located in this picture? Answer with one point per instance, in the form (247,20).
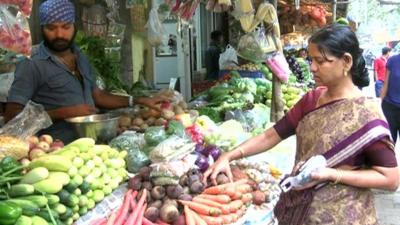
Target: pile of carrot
(217,205)
(129,213)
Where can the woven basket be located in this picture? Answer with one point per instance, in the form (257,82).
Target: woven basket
(138,18)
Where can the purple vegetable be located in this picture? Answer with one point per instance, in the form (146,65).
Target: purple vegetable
(202,163)
(215,152)
(199,148)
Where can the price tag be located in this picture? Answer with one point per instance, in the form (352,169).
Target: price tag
(172,83)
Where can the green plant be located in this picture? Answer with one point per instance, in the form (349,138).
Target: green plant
(105,65)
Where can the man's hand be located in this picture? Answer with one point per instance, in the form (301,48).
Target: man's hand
(152,102)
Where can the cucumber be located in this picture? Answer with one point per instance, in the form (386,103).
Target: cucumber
(20,190)
(71,187)
(37,220)
(75,216)
(35,175)
(39,200)
(82,211)
(98,195)
(59,208)
(60,177)
(45,214)
(72,201)
(69,221)
(48,186)
(68,214)
(85,187)
(64,196)
(28,208)
(52,163)
(52,199)
(24,220)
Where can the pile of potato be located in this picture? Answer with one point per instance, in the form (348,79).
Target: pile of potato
(146,117)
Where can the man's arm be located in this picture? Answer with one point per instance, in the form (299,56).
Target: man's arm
(106,100)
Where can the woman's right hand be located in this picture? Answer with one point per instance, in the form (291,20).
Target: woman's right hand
(220,166)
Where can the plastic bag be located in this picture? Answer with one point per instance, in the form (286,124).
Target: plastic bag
(228,58)
(175,168)
(25,6)
(279,66)
(14,32)
(254,46)
(136,159)
(14,133)
(155,135)
(128,140)
(133,143)
(156,33)
(173,148)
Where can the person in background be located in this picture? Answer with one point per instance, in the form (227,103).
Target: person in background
(391,95)
(337,121)
(59,76)
(380,70)
(212,55)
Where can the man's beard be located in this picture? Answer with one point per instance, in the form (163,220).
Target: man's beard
(59,44)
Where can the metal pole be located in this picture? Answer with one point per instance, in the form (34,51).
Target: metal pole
(334,6)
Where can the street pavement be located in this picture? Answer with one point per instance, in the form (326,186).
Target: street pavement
(387,203)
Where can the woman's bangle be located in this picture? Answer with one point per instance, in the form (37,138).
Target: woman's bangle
(241,152)
(338,176)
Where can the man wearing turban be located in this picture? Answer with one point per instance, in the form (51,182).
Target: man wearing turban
(59,76)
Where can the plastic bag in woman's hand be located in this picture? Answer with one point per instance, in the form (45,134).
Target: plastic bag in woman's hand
(14,32)
(155,31)
(25,6)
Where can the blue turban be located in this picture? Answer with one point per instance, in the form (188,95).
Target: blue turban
(53,11)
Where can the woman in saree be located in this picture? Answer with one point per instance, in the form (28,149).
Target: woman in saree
(336,121)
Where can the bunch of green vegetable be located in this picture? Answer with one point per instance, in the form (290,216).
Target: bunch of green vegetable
(237,93)
(105,65)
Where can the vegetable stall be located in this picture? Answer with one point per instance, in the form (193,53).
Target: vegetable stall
(152,172)
(145,175)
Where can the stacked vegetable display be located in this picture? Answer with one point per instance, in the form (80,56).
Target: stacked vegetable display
(143,118)
(63,185)
(237,93)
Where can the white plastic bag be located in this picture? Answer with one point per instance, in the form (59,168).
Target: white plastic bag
(156,33)
(228,58)
(15,35)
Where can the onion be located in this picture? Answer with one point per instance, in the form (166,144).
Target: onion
(199,148)
(202,163)
(215,152)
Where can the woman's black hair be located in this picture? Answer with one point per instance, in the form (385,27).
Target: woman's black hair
(338,39)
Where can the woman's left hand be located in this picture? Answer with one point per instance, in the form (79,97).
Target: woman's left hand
(319,176)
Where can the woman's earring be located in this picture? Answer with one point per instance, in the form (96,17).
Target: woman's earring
(345,73)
